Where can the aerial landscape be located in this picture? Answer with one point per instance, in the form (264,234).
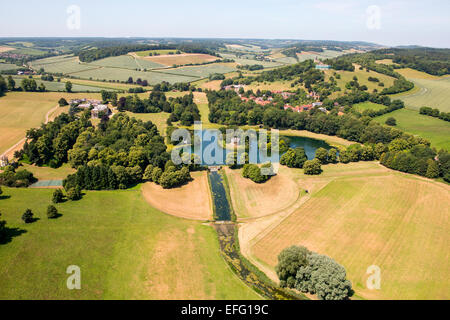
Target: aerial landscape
(254,161)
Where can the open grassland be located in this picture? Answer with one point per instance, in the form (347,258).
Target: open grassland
(100,84)
(361,215)
(416,74)
(368,106)
(435,130)
(249,61)
(193,200)
(363,79)
(24,110)
(159,119)
(181,59)
(280,85)
(326,54)
(434,93)
(252,200)
(124,248)
(386,61)
(331,140)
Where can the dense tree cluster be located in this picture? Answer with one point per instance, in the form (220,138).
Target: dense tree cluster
(313,273)
(254,173)
(3,86)
(113,155)
(184,109)
(157,102)
(11,177)
(312,167)
(294,158)
(435,113)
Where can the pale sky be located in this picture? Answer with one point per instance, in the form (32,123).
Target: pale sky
(401,22)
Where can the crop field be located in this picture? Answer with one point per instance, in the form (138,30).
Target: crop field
(368,106)
(7,66)
(5,49)
(193,199)
(123,75)
(435,130)
(434,93)
(126,62)
(326,54)
(250,61)
(24,110)
(251,200)
(200,71)
(362,215)
(181,59)
(172,258)
(363,79)
(160,52)
(67,65)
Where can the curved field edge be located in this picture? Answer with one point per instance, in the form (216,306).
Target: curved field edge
(125,249)
(392,220)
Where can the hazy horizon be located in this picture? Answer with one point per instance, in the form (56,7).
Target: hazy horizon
(387,23)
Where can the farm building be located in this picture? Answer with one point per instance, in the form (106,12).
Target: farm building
(99,109)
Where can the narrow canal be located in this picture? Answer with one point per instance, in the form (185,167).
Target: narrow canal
(229,245)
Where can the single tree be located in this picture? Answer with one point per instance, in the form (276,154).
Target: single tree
(312,167)
(63,102)
(57,196)
(69,86)
(52,212)
(27,217)
(289,262)
(391,121)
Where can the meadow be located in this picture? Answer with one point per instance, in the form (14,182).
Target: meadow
(126,62)
(61,86)
(360,107)
(435,130)
(124,248)
(7,66)
(250,61)
(363,214)
(66,65)
(24,110)
(159,119)
(434,93)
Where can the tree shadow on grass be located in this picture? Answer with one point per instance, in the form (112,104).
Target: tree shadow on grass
(57,216)
(11,233)
(4,197)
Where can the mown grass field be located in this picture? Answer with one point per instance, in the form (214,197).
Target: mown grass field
(364,214)
(181,59)
(125,249)
(61,86)
(368,106)
(159,119)
(437,131)
(24,110)
(126,62)
(434,93)
(249,61)
(65,65)
(7,66)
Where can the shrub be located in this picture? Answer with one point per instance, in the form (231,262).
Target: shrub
(57,196)
(63,102)
(391,121)
(312,167)
(253,172)
(74,194)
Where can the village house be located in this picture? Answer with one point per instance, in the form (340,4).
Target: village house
(4,161)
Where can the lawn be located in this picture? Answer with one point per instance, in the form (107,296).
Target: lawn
(362,215)
(159,119)
(368,106)
(124,248)
(47,173)
(437,131)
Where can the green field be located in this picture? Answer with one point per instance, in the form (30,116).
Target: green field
(435,130)
(8,66)
(434,93)
(65,65)
(159,119)
(126,62)
(200,71)
(363,214)
(160,52)
(368,106)
(56,86)
(124,248)
(249,61)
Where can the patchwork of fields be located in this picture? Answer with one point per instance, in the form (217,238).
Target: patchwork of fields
(361,215)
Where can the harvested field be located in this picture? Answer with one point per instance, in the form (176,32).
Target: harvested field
(361,215)
(252,200)
(5,49)
(191,201)
(181,59)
